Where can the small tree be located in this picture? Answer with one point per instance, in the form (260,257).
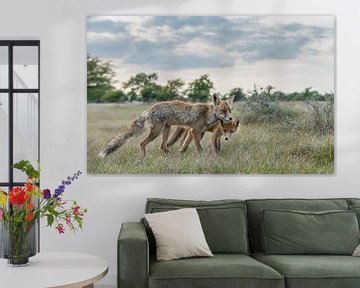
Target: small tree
(200,89)
(173,89)
(139,82)
(100,78)
(151,92)
(280,96)
(238,94)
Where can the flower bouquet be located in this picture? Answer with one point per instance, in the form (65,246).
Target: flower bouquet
(23,206)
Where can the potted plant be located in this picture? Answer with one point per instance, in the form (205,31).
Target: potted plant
(21,208)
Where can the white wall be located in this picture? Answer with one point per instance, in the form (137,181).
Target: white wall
(61,27)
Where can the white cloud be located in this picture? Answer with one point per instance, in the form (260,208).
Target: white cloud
(142,32)
(197,46)
(103,36)
(191,29)
(323,46)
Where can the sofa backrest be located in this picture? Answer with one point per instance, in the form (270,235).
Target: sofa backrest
(223,221)
(254,207)
(353,202)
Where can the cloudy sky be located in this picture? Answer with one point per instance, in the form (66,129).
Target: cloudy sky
(288,52)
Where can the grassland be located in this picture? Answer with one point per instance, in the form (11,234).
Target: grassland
(257,148)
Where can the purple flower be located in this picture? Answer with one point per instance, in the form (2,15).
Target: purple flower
(68,181)
(46,194)
(58,192)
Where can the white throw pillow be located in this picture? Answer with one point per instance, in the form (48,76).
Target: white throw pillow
(178,234)
(357,251)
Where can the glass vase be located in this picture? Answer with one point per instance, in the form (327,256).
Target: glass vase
(18,242)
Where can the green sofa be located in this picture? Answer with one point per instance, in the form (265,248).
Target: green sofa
(234,232)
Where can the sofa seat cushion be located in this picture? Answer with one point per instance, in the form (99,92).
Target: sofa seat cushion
(314,271)
(222,270)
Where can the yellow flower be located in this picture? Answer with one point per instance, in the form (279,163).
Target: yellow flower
(3,198)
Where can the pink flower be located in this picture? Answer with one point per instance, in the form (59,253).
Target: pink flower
(76,210)
(1,214)
(68,219)
(60,228)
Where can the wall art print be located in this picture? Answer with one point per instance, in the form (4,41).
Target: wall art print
(210,95)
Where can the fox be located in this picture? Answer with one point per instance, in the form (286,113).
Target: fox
(161,116)
(221,128)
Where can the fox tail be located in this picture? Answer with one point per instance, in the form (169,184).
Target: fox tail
(134,129)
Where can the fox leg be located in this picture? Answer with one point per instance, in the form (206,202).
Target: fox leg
(165,136)
(215,141)
(155,131)
(184,135)
(186,142)
(218,145)
(197,139)
(175,135)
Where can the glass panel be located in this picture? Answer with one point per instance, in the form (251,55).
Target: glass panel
(4,67)
(5,189)
(4,137)
(26,130)
(26,67)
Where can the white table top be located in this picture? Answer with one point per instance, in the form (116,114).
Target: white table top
(45,270)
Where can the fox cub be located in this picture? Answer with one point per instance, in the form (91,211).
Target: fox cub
(221,128)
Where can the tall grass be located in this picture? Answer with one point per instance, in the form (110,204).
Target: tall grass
(321,118)
(259,147)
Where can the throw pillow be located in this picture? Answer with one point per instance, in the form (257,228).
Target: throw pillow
(357,251)
(178,234)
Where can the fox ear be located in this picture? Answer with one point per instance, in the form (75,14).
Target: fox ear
(237,122)
(231,100)
(216,99)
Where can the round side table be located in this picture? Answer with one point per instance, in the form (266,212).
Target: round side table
(50,270)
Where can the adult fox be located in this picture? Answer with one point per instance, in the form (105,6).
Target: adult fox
(219,129)
(161,116)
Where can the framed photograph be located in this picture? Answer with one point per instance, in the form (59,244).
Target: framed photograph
(210,94)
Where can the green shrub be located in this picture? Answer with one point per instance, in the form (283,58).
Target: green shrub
(114,97)
(261,108)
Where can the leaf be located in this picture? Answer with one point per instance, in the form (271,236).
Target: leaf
(28,168)
(51,210)
(50,219)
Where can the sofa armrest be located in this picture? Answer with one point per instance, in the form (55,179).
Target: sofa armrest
(133,256)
